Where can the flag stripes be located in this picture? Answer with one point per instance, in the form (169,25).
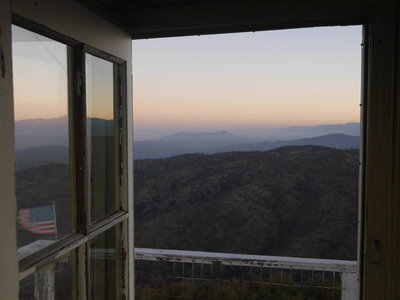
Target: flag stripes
(39,220)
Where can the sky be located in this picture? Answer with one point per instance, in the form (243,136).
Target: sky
(246,80)
(40,78)
(99,87)
(234,82)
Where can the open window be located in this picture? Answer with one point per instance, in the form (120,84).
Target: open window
(70,131)
(247,164)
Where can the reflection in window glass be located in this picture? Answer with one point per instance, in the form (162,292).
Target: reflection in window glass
(100,136)
(55,281)
(105,265)
(41,133)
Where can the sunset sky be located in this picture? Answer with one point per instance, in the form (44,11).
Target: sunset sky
(99,87)
(40,72)
(247,80)
(40,76)
(234,82)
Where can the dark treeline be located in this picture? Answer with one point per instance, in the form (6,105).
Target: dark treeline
(293,201)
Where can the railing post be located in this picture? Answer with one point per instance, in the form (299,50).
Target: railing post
(349,286)
(45,283)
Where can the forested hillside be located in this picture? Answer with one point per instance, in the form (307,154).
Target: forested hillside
(44,185)
(292,201)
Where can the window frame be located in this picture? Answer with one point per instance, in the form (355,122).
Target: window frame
(78,241)
(381,237)
(119,70)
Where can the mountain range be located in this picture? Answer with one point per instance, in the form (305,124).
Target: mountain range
(185,142)
(40,141)
(206,144)
(217,142)
(292,201)
(295,197)
(299,132)
(55,131)
(338,141)
(39,156)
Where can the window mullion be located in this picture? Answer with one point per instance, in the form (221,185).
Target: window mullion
(79,139)
(82,201)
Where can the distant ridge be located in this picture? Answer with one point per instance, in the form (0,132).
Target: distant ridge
(222,137)
(41,126)
(338,141)
(186,142)
(218,142)
(301,132)
(54,131)
(38,156)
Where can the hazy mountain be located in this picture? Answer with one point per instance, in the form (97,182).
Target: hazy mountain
(339,141)
(101,127)
(44,132)
(184,142)
(54,126)
(300,132)
(41,132)
(23,141)
(221,137)
(53,149)
(292,201)
(42,155)
(142,132)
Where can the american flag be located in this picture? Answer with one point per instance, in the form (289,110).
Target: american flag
(39,220)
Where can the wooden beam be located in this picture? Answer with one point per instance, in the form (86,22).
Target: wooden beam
(8,212)
(379,151)
(205,17)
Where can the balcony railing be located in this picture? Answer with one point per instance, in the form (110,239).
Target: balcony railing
(176,274)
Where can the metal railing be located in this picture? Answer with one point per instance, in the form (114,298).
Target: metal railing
(177,274)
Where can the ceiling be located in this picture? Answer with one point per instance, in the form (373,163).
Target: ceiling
(162,18)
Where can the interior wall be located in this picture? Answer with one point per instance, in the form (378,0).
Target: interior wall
(394,223)
(8,240)
(381,246)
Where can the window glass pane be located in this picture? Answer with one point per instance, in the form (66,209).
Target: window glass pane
(105,265)
(40,73)
(100,137)
(55,281)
